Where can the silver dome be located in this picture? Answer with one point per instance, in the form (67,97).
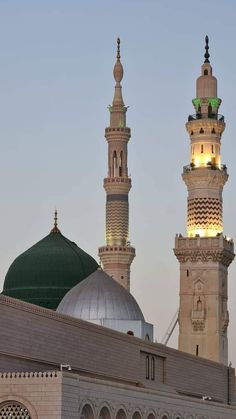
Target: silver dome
(100,297)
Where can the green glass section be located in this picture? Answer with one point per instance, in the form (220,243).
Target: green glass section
(214,102)
(47,271)
(196,102)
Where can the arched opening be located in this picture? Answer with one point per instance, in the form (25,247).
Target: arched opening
(209,111)
(147,368)
(153,368)
(205,72)
(104,413)
(213,131)
(147,338)
(12,409)
(199,304)
(164,417)
(136,415)
(121,414)
(121,164)
(114,164)
(151,416)
(87,412)
(130,332)
(201,131)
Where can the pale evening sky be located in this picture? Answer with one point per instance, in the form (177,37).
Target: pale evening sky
(56,82)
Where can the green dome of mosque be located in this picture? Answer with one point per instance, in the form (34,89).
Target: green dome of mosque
(43,274)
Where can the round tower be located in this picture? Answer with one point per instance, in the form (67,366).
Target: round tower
(117,255)
(205,254)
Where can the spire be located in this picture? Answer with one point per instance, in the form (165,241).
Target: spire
(206,55)
(118,49)
(117,103)
(55,229)
(118,68)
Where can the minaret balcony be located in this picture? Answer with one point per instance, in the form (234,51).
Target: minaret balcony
(119,129)
(198,116)
(117,180)
(209,166)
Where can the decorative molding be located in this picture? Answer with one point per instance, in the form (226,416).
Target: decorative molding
(204,255)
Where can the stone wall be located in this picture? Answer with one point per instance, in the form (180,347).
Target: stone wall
(34,338)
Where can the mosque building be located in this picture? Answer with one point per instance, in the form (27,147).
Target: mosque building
(73,340)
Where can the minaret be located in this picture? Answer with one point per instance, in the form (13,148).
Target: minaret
(117,255)
(205,253)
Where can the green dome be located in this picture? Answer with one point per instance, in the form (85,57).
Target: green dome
(48,270)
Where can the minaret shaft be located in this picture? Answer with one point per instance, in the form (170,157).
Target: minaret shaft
(204,255)
(117,255)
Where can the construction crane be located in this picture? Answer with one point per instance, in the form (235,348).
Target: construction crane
(170,328)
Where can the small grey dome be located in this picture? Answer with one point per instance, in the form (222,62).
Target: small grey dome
(100,297)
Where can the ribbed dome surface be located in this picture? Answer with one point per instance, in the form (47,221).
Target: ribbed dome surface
(47,271)
(100,297)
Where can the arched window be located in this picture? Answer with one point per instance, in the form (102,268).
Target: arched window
(104,413)
(205,72)
(121,164)
(114,164)
(153,368)
(151,416)
(121,414)
(201,131)
(136,415)
(199,304)
(209,111)
(147,368)
(201,148)
(213,131)
(212,148)
(12,409)
(87,412)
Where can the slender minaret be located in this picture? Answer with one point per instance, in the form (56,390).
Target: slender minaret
(205,254)
(117,255)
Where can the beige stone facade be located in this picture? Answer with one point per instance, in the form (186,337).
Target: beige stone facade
(112,375)
(64,395)
(205,254)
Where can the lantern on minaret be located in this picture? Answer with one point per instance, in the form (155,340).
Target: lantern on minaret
(205,253)
(117,255)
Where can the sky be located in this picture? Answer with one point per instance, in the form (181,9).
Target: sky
(56,82)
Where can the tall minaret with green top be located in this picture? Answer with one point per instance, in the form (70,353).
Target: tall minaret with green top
(205,253)
(117,254)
